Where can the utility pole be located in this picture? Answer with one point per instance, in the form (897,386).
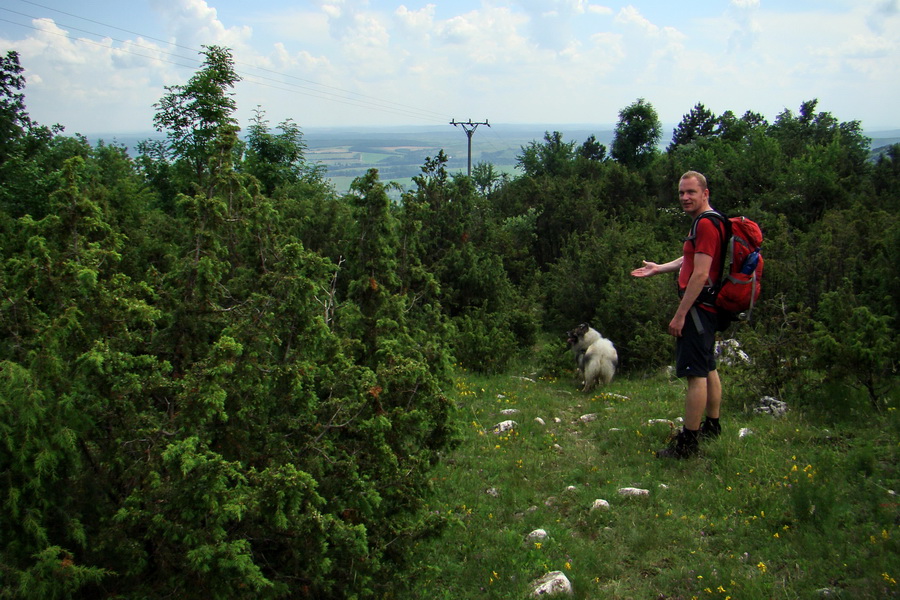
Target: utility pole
(469,127)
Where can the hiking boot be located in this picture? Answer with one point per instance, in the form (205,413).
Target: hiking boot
(710,429)
(683,445)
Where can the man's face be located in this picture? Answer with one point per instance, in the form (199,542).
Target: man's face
(693,198)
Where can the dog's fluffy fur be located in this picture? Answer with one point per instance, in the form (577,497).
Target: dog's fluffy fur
(595,356)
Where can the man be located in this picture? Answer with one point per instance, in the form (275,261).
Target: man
(694,324)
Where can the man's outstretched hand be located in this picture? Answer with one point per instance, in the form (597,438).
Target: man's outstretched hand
(649,268)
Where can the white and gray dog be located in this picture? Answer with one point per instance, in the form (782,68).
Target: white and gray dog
(595,356)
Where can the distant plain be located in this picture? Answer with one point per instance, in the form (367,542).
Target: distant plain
(399,153)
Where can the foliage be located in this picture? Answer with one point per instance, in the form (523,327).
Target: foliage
(487,178)
(854,344)
(637,133)
(190,406)
(590,283)
(13,118)
(553,157)
(483,343)
(698,124)
(191,114)
(886,178)
(276,159)
(29,152)
(443,221)
(778,341)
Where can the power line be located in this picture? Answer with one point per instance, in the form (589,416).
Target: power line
(437,115)
(105,46)
(338,95)
(373,103)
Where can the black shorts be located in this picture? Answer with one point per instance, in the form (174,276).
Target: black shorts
(695,354)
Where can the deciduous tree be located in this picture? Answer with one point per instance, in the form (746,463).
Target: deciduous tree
(191,114)
(637,135)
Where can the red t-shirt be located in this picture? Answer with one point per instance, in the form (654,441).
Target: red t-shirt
(707,241)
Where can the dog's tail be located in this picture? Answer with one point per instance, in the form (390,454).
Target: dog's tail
(600,364)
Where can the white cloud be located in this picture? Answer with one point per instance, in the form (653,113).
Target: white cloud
(630,15)
(598,9)
(525,60)
(312,29)
(491,35)
(194,23)
(862,46)
(745,34)
(420,21)
(332,11)
(90,83)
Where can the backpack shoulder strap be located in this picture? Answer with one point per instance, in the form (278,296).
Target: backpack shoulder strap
(723,224)
(715,216)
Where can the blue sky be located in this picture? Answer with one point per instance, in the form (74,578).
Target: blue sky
(98,66)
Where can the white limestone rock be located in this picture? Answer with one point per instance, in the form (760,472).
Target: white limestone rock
(551,584)
(505,426)
(771,406)
(600,504)
(538,535)
(632,491)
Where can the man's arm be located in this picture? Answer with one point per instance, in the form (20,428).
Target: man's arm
(702,264)
(651,268)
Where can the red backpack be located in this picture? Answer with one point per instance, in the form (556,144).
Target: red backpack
(739,288)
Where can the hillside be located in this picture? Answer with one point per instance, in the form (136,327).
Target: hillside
(779,507)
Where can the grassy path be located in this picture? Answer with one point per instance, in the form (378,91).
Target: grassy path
(793,510)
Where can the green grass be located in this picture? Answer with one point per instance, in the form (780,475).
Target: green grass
(798,507)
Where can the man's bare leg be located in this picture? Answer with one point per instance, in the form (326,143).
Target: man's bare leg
(713,395)
(696,401)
